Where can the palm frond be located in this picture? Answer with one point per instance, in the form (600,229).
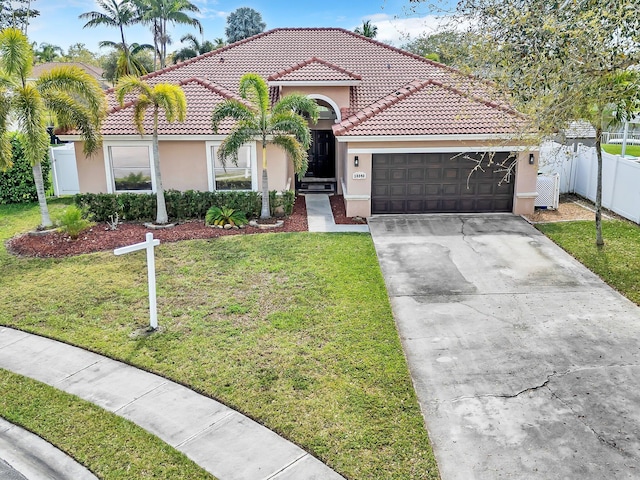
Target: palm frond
(299,104)
(255,89)
(229,147)
(131,84)
(230,108)
(296,152)
(293,124)
(139,111)
(30,112)
(6,157)
(172,100)
(16,54)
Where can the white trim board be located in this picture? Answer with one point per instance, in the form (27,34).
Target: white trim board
(460,149)
(428,138)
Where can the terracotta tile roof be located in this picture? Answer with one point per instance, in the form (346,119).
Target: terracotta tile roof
(314,69)
(431,108)
(202,96)
(325,54)
(95,72)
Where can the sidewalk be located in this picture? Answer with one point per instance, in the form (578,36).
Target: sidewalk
(320,217)
(219,439)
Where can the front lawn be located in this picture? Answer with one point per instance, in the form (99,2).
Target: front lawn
(294,330)
(616,149)
(617,263)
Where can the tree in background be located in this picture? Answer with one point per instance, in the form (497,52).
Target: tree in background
(195,48)
(162,96)
(243,23)
(128,60)
(160,15)
(78,52)
(450,47)
(116,14)
(48,53)
(561,61)
(17,13)
(72,95)
(281,125)
(367,29)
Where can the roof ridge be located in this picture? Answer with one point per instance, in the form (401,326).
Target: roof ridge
(479,99)
(380,105)
(292,68)
(215,88)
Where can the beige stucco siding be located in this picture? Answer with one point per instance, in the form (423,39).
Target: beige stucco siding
(183,165)
(279,168)
(91,173)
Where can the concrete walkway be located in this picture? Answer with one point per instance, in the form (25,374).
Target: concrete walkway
(25,456)
(320,217)
(219,439)
(526,365)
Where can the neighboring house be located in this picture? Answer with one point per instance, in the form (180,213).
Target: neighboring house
(95,72)
(397,134)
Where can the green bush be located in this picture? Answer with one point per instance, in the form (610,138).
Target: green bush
(16,183)
(225,215)
(187,205)
(71,221)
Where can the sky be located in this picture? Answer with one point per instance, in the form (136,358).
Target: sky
(397,22)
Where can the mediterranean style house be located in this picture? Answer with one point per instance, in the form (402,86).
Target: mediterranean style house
(397,133)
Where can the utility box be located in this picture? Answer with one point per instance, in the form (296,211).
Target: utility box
(548,188)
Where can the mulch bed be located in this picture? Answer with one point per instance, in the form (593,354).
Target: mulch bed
(339,213)
(100,237)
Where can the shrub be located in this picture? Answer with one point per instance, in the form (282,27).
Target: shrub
(180,205)
(225,215)
(285,199)
(71,221)
(16,183)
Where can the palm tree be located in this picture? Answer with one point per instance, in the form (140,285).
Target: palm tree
(128,63)
(69,93)
(162,96)
(194,48)
(367,30)
(282,125)
(160,13)
(117,14)
(48,52)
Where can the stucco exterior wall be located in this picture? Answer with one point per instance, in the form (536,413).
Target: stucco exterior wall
(279,168)
(183,165)
(91,176)
(525,186)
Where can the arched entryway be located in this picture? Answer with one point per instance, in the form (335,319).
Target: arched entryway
(321,174)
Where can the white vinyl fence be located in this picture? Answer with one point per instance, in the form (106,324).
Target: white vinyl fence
(578,174)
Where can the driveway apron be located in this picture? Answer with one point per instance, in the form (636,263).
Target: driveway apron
(526,364)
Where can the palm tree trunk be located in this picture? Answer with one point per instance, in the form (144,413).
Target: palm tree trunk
(161,210)
(42,199)
(266,210)
(599,239)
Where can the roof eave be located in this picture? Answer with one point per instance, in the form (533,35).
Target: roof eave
(315,83)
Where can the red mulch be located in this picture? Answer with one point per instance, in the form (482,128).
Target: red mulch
(100,237)
(339,213)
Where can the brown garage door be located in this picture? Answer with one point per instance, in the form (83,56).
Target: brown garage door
(437,183)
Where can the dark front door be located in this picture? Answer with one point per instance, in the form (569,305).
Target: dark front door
(322,155)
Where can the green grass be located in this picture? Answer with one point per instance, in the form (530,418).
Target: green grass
(110,446)
(615,149)
(617,262)
(294,330)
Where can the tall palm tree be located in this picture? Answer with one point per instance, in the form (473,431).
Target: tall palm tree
(69,93)
(160,14)
(162,96)
(194,48)
(117,14)
(282,125)
(367,29)
(128,63)
(48,52)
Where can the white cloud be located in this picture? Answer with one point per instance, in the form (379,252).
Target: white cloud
(398,31)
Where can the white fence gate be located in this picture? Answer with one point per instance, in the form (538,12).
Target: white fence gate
(64,170)
(578,174)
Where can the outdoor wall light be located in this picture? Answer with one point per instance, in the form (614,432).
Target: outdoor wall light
(356,161)
(532,159)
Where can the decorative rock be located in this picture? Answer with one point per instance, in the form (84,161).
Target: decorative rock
(266,226)
(228,226)
(278,211)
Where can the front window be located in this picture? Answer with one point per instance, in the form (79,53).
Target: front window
(232,176)
(131,168)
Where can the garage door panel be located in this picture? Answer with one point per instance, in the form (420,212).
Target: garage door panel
(437,182)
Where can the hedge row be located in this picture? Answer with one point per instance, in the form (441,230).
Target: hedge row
(16,183)
(188,205)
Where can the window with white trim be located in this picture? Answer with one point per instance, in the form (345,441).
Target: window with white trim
(130,168)
(233,176)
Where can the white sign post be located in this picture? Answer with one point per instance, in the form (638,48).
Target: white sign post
(151,273)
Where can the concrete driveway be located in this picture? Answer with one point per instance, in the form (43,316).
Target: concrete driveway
(526,365)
